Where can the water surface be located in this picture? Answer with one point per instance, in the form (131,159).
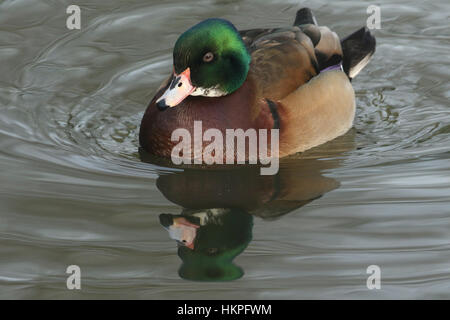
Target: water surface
(74,190)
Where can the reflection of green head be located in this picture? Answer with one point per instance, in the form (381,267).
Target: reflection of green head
(216,245)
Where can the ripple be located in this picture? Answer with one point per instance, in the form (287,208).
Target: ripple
(75,191)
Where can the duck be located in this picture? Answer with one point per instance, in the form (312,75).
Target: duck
(297,80)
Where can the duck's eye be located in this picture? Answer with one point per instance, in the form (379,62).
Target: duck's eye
(208,57)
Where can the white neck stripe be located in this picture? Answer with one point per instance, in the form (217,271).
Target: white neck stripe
(208,92)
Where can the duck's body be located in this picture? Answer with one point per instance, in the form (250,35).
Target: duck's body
(290,85)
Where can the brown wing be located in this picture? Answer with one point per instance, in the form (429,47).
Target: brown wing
(282,60)
(286,58)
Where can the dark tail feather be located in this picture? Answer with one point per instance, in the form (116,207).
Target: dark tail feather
(304,16)
(357,50)
(307,22)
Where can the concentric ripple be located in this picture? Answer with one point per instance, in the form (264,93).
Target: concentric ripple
(75,191)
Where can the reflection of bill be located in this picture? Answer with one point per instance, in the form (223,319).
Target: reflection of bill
(180,229)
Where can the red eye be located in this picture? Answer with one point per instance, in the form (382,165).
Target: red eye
(208,57)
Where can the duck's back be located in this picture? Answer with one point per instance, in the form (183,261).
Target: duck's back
(305,71)
(283,59)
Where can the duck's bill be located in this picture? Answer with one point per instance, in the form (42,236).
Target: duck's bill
(180,87)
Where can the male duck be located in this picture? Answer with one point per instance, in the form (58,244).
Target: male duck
(294,79)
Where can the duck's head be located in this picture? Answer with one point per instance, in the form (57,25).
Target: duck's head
(210,59)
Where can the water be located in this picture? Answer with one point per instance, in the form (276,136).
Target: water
(74,190)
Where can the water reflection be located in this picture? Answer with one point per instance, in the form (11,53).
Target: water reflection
(209,240)
(218,205)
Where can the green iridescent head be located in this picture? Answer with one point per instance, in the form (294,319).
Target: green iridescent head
(216,55)
(210,59)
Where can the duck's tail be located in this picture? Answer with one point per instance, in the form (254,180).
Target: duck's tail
(354,54)
(305,16)
(357,50)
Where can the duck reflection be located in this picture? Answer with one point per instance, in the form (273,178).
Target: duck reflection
(209,240)
(215,224)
